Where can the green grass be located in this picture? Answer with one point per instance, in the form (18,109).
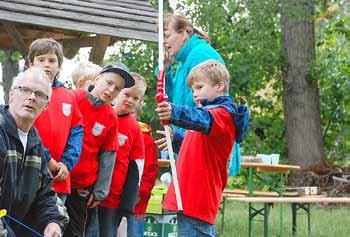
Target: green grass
(325,221)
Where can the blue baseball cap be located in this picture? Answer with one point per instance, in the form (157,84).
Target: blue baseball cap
(121,69)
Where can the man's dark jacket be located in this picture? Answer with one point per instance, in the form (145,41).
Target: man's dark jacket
(25,183)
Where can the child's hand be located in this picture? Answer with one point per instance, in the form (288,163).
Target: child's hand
(164,111)
(161,142)
(62,172)
(91,203)
(53,167)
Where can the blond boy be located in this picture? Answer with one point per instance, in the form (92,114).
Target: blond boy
(205,150)
(129,165)
(84,74)
(92,175)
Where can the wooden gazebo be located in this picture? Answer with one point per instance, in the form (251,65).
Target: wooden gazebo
(76,23)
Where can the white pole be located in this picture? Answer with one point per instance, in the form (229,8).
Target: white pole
(166,127)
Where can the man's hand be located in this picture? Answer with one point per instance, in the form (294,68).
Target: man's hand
(52,230)
(161,142)
(62,171)
(164,111)
(91,203)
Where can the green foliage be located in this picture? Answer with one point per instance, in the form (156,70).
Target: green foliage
(16,56)
(248,36)
(2,55)
(141,58)
(333,41)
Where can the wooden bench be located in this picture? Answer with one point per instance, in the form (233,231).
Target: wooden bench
(244,192)
(297,203)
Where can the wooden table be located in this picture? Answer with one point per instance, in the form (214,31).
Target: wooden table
(282,170)
(162,163)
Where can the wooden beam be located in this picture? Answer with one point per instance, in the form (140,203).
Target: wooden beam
(70,52)
(16,38)
(79,42)
(30,18)
(102,19)
(98,51)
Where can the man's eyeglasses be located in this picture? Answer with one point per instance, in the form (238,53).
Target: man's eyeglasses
(27,91)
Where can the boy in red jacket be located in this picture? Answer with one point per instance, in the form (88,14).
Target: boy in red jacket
(91,178)
(60,125)
(207,145)
(129,165)
(150,172)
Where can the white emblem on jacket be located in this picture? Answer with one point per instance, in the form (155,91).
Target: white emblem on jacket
(122,139)
(97,129)
(66,109)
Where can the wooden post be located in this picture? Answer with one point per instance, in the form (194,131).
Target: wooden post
(98,50)
(16,38)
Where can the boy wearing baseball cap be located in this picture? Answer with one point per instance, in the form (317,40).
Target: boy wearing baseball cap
(91,177)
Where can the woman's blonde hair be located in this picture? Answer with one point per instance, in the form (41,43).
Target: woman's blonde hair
(179,23)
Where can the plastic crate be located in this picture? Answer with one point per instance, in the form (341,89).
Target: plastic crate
(160,225)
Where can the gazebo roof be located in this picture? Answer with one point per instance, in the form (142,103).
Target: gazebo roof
(75,23)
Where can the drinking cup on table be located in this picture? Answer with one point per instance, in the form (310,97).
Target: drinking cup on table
(266,159)
(275,159)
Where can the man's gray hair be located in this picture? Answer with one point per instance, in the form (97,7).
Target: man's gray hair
(36,71)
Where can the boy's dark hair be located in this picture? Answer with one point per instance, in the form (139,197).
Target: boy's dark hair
(44,46)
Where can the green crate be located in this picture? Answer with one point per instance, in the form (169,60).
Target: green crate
(152,227)
(170,228)
(160,226)
(152,230)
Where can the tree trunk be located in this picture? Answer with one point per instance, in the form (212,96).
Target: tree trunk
(300,88)
(9,71)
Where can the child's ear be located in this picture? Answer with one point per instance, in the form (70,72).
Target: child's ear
(80,83)
(220,86)
(97,78)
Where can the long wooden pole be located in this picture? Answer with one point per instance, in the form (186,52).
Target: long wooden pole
(161,96)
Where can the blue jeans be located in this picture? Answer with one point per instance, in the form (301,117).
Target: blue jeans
(109,220)
(136,225)
(191,227)
(92,229)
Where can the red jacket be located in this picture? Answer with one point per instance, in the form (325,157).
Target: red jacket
(201,168)
(100,131)
(150,169)
(131,148)
(54,125)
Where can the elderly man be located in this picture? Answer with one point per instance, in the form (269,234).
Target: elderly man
(25,184)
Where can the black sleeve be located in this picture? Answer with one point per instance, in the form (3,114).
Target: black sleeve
(130,190)
(47,208)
